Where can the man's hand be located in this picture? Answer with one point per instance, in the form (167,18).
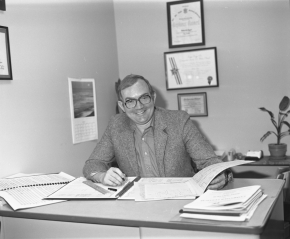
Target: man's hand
(218,182)
(113,177)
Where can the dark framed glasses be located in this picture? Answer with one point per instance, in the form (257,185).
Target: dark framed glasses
(143,99)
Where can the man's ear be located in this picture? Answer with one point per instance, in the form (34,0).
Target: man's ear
(154,97)
(120,103)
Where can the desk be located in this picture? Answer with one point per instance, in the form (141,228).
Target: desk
(267,161)
(130,219)
(263,168)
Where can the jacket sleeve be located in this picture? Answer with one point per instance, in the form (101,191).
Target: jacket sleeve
(199,149)
(102,155)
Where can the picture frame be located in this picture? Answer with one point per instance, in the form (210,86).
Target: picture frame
(191,69)
(5,58)
(195,104)
(2,5)
(185,21)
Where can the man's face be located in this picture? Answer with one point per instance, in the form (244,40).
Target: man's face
(141,113)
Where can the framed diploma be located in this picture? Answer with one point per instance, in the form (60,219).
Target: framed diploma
(185,23)
(195,104)
(2,5)
(5,59)
(191,69)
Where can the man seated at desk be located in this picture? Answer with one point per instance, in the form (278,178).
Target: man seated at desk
(149,141)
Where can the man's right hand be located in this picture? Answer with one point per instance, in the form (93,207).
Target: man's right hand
(113,177)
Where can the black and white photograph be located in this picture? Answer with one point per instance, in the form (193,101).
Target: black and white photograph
(83,99)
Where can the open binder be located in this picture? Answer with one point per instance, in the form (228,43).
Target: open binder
(28,191)
(81,189)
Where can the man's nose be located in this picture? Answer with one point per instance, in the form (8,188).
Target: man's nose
(139,105)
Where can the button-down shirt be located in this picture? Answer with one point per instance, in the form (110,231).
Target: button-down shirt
(145,151)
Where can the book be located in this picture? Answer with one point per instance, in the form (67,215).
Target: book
(190,188)
(236,204)
(27,191)
(82,189)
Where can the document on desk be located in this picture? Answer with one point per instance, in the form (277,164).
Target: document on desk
(79,189)
(236,204)
(202,179)
(159,189)
(26,191)
(187,188)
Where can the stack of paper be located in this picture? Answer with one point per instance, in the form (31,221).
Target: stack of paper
(225,205)
(148,189)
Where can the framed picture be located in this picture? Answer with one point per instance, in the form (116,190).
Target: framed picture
(195,104)
(2,5)
(191,69)
(5,59)
(185,23)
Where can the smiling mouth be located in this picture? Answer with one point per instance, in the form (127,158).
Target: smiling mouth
(140,112)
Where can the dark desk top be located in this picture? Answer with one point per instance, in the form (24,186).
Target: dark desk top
(268,161)
(154,214)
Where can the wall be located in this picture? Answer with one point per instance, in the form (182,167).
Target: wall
(51,41)
(252,40)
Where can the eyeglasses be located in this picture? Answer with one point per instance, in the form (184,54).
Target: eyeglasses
(143,99)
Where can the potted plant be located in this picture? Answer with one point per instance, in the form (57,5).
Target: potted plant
(278,150)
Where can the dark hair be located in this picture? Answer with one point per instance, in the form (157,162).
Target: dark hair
(130,80)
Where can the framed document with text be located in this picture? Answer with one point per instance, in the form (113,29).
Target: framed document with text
(191,69)
(5,59)
(2,5)
(195,104)
(185,23)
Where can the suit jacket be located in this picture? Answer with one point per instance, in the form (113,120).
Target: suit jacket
(180,148)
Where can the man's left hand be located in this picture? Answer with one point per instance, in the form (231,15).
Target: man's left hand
(218,182)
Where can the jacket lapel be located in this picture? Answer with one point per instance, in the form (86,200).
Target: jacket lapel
(128,145)
(160,139)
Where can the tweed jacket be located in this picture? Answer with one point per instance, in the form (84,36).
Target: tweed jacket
(180,148)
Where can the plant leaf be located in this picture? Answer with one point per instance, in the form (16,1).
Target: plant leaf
(274,123)
(271,115)
(285,134)
(284,104)
(265,110)
(286,123)
(266,135)
(284,115)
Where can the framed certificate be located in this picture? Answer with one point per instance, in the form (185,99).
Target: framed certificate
(2,5)
(185,23)
(195,104)
(5,59)
(191,69)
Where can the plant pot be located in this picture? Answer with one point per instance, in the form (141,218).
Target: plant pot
(278,151)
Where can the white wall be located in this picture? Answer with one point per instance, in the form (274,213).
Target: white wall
(51,41)
(252,40)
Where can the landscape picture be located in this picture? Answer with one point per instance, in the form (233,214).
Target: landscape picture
(83,99)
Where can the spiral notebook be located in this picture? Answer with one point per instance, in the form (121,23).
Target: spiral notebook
(29,191)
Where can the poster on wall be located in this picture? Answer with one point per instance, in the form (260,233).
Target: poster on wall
(5,59)
(185,23)
(83,108)
(191,68)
